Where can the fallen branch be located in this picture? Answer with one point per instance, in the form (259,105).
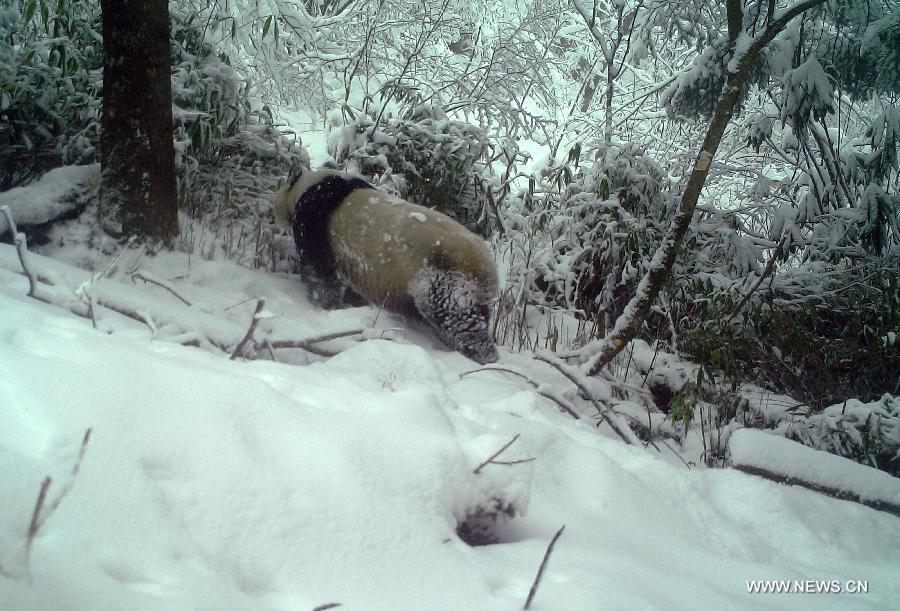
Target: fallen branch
(308,343)
(540,573)
(787,462)
(836,493)
(607,414)
(564,406)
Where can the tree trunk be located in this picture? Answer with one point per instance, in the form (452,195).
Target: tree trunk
(598,354)
(138,188)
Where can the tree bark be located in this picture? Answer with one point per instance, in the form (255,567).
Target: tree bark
(598,354)
(138,188)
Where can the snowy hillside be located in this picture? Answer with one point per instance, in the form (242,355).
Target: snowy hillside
(252,484)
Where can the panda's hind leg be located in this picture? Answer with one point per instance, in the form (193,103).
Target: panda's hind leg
(329,293)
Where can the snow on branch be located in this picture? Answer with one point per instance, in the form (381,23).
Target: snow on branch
(56,193)
(564,405)
(788,462)
(185,324)
(609,416)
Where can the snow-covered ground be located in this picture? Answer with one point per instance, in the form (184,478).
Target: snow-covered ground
(210,483)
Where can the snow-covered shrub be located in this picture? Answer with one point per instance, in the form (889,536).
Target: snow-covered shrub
(424,157)
(601,233)
(819,337)
(229,154)
(50,71)
(868,433)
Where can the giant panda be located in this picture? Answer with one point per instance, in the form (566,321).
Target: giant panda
(404,257)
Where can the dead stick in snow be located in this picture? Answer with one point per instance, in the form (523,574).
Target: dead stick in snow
(562,404)
(39,516)
(307,344)
(36,521)
(495,455)
(260,306)
(160,283)
(69,484)
(613,421)
(540,573)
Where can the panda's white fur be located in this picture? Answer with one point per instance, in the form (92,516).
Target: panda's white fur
(407,258)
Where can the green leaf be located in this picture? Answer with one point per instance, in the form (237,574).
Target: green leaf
(267,25)
(604,189)
(45,16)
(29,10)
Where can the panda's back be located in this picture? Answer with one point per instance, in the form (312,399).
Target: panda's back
(381,242)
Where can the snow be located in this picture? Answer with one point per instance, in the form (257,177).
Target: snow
(49,197)
(212,483)
(776,454)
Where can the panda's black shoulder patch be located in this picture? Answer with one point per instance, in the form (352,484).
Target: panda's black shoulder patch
(311,215)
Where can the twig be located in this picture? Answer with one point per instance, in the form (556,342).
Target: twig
(564,406)
(327,606)
(540,573)
(268,346)
(71,482)
(495,455)
(260,306)
(21,249)
(160,283)
(770,267)
(231,307)
(307,344)
(106,273)
(39,517)
(36,522)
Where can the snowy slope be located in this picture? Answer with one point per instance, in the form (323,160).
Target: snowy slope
(218,484)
